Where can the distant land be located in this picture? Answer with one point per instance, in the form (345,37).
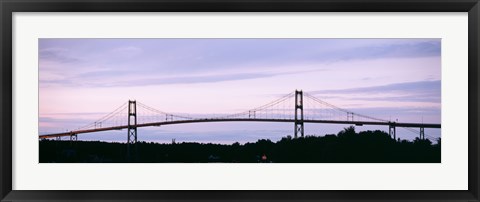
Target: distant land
(347,146)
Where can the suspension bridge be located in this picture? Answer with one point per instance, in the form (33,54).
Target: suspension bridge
(297,107)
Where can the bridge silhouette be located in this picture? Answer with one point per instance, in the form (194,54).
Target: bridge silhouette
(297,107)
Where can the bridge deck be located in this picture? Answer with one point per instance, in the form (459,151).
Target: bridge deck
(413,125)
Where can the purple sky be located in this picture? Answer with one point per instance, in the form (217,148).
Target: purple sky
(83,79)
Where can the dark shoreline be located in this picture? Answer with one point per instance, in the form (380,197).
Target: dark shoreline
(345,147)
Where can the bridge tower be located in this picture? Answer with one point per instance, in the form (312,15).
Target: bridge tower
(132,130)
(298,113)
(422,133)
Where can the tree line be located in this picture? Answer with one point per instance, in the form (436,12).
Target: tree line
(347,146)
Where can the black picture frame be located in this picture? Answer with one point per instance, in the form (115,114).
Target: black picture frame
(7,7)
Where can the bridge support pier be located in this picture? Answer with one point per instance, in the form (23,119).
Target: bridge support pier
(299,113)
(422,133)
(349,114)
(392,131)
(132,131)
(251,114)
(73,137)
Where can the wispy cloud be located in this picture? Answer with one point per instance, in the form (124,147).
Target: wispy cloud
(420,91)
(418,86)
(407,50)
(127,51)
(140,62)
(121,78)
(59,55)
(181,56)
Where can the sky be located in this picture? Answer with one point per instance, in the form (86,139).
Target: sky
(81,80)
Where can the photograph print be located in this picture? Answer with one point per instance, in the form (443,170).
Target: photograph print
(239,100)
